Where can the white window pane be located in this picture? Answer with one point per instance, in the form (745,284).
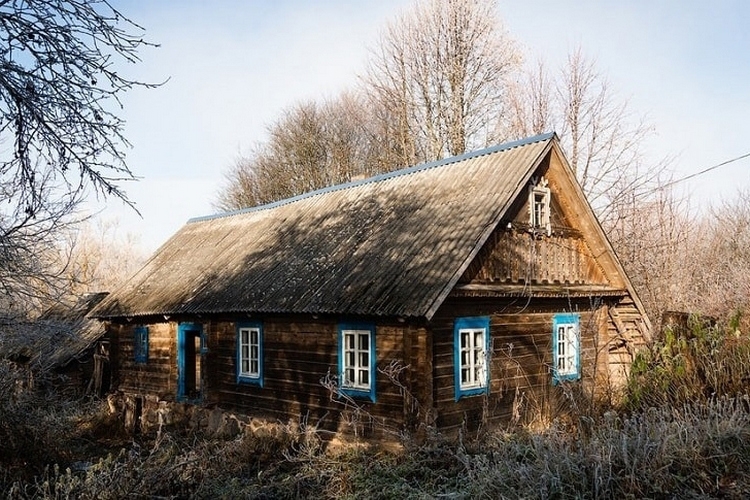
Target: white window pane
(355,355)
(478,338)
(472,357)
(567,349)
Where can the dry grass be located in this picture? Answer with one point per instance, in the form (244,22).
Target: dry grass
(683,433)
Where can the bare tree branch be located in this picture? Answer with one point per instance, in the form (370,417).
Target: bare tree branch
(60,134)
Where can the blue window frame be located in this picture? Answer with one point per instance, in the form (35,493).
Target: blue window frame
(566,347)
(191,346)
(357,360)
(471,342)
(250,353)
(140,344)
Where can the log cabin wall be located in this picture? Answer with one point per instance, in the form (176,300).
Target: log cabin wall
(158,375)
(521,389)
(298,354)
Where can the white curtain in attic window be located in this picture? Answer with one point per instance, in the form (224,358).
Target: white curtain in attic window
(539,207)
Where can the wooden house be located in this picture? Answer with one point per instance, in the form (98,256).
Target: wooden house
(470,290)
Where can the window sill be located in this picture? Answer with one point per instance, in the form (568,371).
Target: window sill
(250,381)
(368,394)
(467,393)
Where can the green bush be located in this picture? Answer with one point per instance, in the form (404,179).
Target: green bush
(698,364)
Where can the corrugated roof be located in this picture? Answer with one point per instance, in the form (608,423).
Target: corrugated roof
(60,335)
(392,245)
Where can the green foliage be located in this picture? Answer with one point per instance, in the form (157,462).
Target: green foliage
(697,363)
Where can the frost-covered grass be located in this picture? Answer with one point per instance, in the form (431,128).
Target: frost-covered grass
(683,432)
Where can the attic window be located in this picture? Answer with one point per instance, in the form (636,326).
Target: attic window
(539,207)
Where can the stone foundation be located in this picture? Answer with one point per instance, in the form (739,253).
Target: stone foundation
(150,415)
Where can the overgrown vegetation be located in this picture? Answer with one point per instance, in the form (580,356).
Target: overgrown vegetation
(683,431)
(696,363)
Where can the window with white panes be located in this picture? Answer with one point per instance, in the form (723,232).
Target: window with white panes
(471,353)
(250,354)
(357,360)
(472,358)
(539,207)
(566,347)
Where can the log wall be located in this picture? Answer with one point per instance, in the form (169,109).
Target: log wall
(521,389)
(300,352)
(158,376)
(298,355)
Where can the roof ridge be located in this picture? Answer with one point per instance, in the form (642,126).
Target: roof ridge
(381,177)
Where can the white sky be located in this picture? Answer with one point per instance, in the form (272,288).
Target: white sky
(233,66)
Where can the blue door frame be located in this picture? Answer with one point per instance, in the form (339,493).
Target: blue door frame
(189,361)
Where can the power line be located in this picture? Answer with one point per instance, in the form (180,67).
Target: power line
(706,170)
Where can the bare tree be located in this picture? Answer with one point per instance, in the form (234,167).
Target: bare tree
(434,87)
(99,257)
(59,89)
(646,222)
(310,147)
(601,136)
(653,237)
(438,77)
(529,106)
(716,260)
(31,270)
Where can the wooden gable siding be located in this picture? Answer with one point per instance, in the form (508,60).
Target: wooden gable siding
(515,254)
(628,333)
(518,257)
(521,388)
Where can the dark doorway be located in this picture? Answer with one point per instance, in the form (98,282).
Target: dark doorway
(189,361)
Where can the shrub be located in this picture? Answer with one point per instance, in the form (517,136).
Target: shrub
(699,364)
